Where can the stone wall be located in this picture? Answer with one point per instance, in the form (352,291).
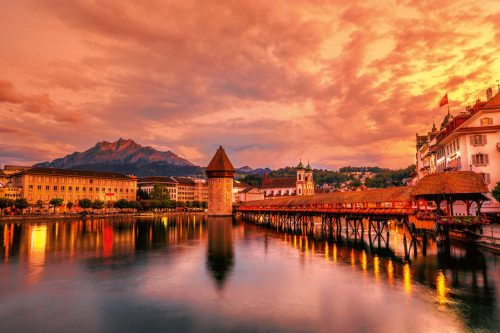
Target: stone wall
(220,196)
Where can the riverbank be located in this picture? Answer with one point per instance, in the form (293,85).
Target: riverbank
(49,217)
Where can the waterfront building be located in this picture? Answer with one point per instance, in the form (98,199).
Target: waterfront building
(220,173)
(178,188)
(301,184)
(44,184)
(243,192)
(469,141)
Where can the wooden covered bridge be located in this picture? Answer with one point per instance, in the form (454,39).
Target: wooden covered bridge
(432,199)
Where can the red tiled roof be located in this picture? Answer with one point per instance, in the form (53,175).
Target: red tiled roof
(73,172)
(494,102)
(379,195)
(459,182)
(220,166)
(220,162)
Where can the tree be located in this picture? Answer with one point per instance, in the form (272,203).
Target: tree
(22,204)
(142,195)
(122,203)
(159,192)
(496,192)
(56,202)
(5,203)
(85,203)
(98,204)
(39,204)
(69,205)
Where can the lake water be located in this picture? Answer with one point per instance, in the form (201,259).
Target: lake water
(194,274)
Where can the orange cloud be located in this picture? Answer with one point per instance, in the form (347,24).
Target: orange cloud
(331,82)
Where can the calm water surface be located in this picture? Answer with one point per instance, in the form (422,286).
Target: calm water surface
(190,274)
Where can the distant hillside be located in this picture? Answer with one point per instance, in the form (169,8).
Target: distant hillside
(383,177)
(128,157)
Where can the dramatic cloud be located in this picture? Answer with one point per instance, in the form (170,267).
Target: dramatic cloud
(338,83)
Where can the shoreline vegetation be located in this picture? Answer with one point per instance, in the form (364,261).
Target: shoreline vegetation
(68,216)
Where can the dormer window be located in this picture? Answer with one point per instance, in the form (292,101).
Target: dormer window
(486,121)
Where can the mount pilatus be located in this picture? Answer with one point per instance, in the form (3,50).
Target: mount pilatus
(126,156)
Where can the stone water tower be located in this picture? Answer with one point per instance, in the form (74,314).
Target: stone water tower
(220,173)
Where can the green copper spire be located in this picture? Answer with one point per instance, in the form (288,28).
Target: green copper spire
(300,166)
(308,167)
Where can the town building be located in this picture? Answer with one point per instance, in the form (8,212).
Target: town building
(44,184)
(301,184)
(178,188)
(469,141)
(243,192)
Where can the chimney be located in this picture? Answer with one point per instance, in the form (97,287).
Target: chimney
(489,93)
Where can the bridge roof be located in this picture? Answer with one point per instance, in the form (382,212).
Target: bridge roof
(376,195)
(459,182)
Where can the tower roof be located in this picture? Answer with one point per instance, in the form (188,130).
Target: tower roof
(220,166)
(300,166)
(308,167)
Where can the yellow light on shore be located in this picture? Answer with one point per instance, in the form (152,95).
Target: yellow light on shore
(376,267)
(441,288)
(407,278)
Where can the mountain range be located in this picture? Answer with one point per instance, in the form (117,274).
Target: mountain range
(128,157)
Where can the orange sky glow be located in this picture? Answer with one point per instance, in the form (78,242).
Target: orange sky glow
(334,82)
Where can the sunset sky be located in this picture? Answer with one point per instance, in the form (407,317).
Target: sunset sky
(334,82)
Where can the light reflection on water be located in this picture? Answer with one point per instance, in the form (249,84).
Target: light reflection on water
(184,273)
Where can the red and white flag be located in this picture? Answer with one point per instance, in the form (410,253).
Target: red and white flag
(444,100)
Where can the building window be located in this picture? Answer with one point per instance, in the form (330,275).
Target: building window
(55,188)
(486,177)
(47,187)
(486,121)
(77,189)
(70,188)
(62,188)
(478,140)
(480,159)
(84,189)
(30,187)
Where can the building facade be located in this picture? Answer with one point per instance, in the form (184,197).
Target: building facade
(301,184)
(178,188)
(469,141)
(44,184)
(243,192)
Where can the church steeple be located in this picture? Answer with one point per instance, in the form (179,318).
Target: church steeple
(300,166)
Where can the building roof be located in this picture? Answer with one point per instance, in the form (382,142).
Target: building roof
(184,180)
(300,166)
(73,172)
(220,162)
(239,184)
(494,102)
(459,182)
(377,195)
(156,179)
(220,165)
(284,182)
(308,167)
(10,167)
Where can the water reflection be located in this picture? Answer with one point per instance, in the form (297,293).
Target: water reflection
(220,248)
(455,279)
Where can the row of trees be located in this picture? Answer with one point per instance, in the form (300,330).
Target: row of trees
(87,204)
(19,204)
